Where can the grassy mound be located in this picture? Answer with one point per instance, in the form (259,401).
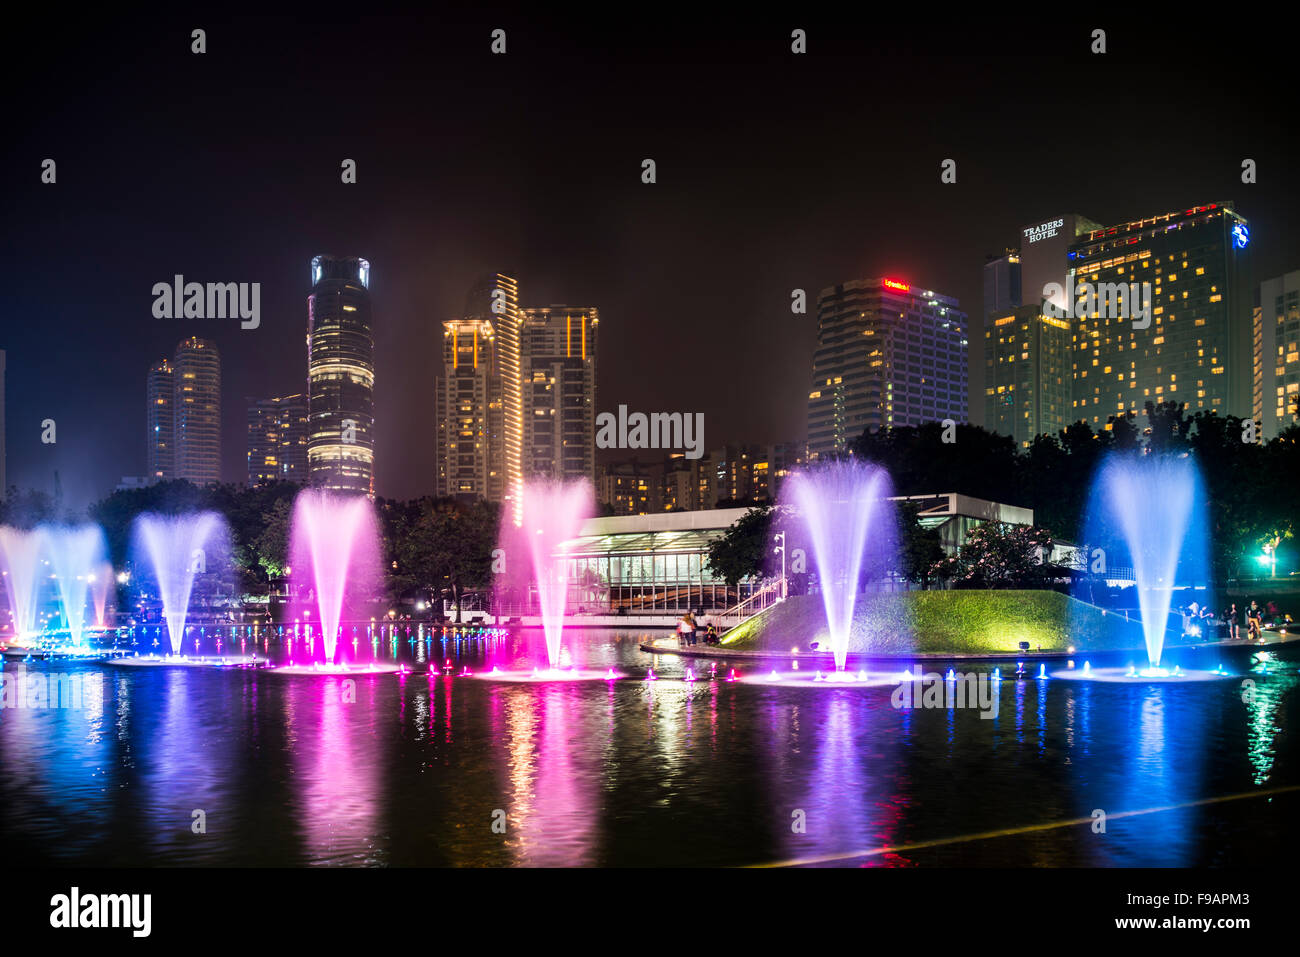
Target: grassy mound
(943,622)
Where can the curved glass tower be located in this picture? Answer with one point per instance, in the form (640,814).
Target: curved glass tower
(340,376)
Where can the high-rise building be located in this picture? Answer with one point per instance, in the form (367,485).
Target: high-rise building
(196,410)
(340,376)
(887,355)
(1276,366)
(1197,348)
(559,392)
(468,413)
(1027,374)
(160,422)
(631,488)
(495,299)
(277,440)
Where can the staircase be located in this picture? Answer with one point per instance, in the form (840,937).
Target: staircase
(770,594)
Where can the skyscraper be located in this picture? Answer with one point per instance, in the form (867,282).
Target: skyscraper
(277,439)
(197,411)
(1027,374)
(1198,345)
(495,298)
(468,413)
(1276,384)
(340,376)
(887,355)
(559,394)
(160,422)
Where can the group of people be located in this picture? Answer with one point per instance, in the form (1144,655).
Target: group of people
(688,631)
(1202,621)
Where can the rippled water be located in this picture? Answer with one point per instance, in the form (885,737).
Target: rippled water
(417,769)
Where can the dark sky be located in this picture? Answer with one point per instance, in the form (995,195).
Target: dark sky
(774,172)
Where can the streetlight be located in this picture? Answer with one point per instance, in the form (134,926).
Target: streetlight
(780,550)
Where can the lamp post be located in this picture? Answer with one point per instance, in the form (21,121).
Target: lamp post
(779,537)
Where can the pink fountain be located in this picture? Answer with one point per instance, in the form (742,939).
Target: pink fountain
(333,556)
(553,513)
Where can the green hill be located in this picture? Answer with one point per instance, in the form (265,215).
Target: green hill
(960,622)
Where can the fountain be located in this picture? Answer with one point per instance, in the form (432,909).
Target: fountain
(851,525)
(176,549)
(553,514)
(1147,512)
(21,556)
(77,555)
(334,544)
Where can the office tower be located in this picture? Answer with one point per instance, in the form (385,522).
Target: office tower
(196,409)
(469,413)
(1276,365)
(1027,374)
(277,439)
(559,392)
(160,422)
(340,376)
(495,299)
(1197,348)
(887,355)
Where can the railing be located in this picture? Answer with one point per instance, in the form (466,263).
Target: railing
(770,594)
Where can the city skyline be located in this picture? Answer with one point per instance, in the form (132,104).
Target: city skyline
(659,260)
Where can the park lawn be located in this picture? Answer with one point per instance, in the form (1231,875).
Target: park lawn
(958,622)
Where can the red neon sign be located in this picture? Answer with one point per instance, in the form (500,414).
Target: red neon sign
(895,284)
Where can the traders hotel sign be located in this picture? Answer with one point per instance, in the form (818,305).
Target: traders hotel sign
(1043,231)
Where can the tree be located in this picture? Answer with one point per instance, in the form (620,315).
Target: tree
(743,550)
(1000,555)
(920,548)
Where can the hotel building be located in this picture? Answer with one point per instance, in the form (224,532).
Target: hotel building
(1198,347)
(887,355)
(1026,374)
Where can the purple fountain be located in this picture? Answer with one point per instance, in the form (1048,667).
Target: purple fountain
(852,529)
(176,548)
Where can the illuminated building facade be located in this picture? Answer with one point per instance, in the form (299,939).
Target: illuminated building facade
(887,355)
(160,422)
(340,376)
(1026,374)
(1276,367)
(495,299)
(277,440)
(196,408)
(469,414)
(1198,347)
(559,392)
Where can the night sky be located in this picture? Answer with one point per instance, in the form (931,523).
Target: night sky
(775,171)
